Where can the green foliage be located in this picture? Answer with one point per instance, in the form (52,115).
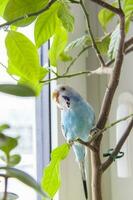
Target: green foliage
(105,16)
(20,48)
(66,17)
(3,127)
(14,160)
(114,43)
(10,196)
(46,25)
(128,6)
(18,90)
(3,4)
(25,178)
(7,143)
(19,8)
(51,178)
(83,42)
(59,42)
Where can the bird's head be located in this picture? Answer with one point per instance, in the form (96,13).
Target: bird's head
(65,97)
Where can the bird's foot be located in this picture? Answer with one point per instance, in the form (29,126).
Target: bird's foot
(70,142)
(94,130)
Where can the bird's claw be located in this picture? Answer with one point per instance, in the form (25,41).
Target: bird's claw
(94,130)
(70,142)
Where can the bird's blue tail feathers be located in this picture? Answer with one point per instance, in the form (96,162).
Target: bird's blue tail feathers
(79,150)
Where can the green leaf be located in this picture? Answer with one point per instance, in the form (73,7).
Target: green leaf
(46,24)
(7,143)
(14,160)
(58,44)
(18,90)
(66,17)
(105,16)
(18,8)
(79,42)
(128,6)
(24,60)
(3,127)
(114,42)
(64,56)
(51,178)
(10,196)
(3,4)
(103,44)
(25,178)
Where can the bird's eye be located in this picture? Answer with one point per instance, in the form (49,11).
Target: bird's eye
(63,88)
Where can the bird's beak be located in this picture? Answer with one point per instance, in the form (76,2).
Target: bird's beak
(55,96)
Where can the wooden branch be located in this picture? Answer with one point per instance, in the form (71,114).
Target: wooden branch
(107,6)
(128,43)
(129,50)
(122,140)
(114,79)
(94,136)
(29,15)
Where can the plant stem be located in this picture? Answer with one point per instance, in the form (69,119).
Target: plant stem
(28,15)
(6,185)
(91,34)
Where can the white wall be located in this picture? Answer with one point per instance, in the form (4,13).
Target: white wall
(122,188)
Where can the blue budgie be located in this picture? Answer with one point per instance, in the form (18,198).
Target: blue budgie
(77,119)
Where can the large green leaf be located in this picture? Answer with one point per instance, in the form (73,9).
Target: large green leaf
(25,178)
(18,90)
(46,24)
(51,178)
(24,60)
(66,17)
(114,42)
(58,44)
(3,4)
(18,8)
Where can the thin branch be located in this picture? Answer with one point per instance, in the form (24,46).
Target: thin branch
(91,34)
(107,6)
(94,135)
(129,50)
(75,59)
(119,3)
(28,15)
(66,76)
(8,73)
(122,140)
(128,43)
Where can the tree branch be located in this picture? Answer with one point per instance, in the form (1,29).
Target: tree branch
(107,6)
(75,59)
(94,136)
(91,35)
(122,140)
(29,15)
(114,79)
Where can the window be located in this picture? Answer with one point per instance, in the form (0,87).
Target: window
(26,118)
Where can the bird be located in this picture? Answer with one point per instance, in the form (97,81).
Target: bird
(77,120)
